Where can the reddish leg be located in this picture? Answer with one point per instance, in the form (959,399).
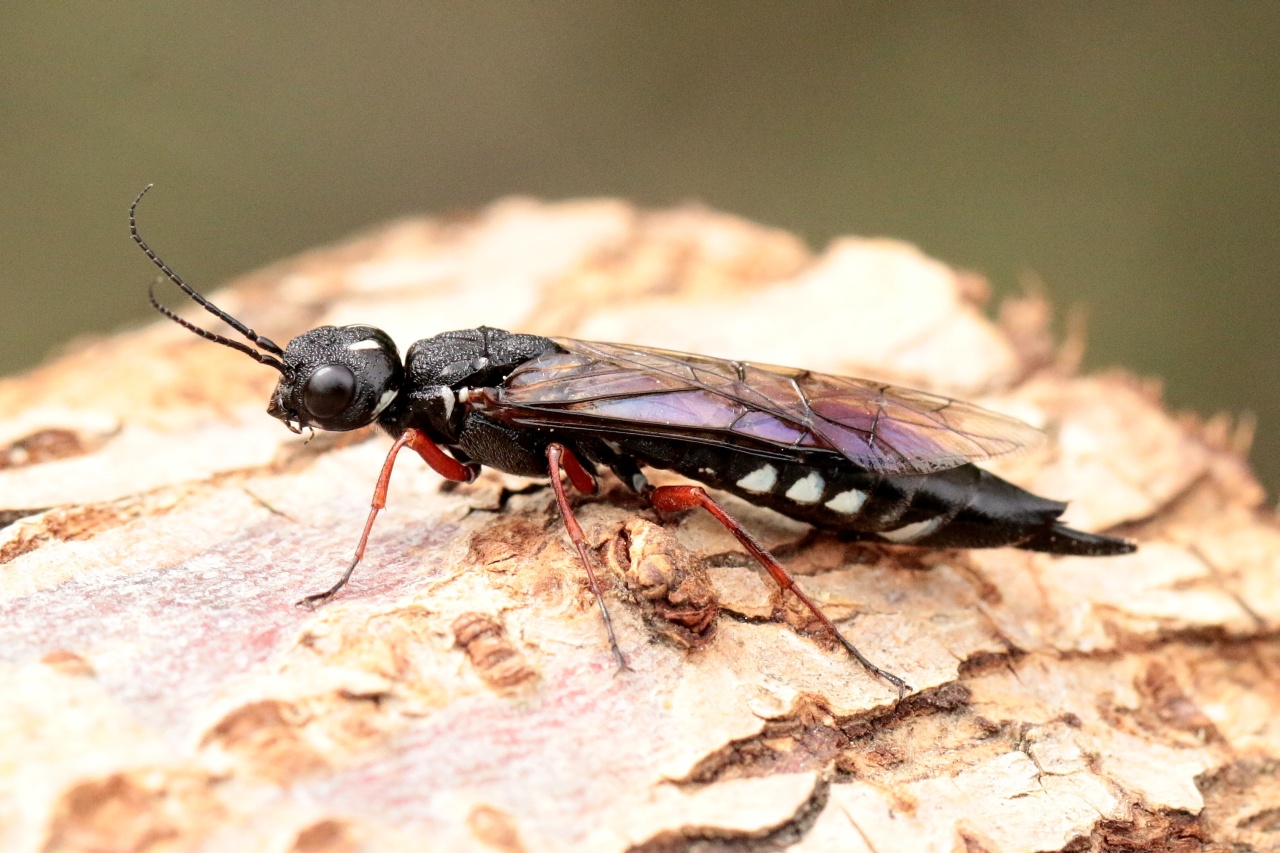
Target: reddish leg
(677,498)
(443,464)
(582,479)
(560,457)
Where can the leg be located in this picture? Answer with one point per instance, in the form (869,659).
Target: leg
(623,467)
(582,479)
(444,465)
(676,498)
(558,455)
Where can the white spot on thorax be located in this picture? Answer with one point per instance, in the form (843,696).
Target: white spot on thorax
(912,532)
(447,397)
(367,343)
(760,480)
(807,490)
(847,502)
(385,400)
(463,395)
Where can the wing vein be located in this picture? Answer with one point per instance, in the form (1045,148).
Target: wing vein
(764,408)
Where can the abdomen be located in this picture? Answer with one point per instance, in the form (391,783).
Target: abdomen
(961,507)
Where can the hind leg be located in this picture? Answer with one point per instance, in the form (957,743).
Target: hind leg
(677,498)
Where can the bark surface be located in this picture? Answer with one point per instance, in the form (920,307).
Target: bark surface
(159,690)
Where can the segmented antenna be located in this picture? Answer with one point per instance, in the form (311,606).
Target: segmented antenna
(259,341)
(208,335)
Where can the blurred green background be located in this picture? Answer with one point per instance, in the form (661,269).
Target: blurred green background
(1125,153)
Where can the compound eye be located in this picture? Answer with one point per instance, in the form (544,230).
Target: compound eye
(329,390)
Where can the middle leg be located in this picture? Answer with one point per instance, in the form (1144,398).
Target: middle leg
(560,458)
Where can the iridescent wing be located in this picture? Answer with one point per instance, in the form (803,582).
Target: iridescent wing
(781,411)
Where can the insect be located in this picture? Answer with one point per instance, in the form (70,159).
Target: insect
(862,458)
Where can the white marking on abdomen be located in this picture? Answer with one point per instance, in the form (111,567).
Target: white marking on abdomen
(760,480)
(808,490)
(848,502)
(912,532)
(367,343)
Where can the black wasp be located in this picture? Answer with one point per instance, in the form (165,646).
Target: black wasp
(866,459)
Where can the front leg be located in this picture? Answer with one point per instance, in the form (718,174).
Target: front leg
(443,464)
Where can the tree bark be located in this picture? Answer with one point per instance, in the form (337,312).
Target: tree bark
(161,692)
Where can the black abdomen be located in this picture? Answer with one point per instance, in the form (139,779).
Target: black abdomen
(961,507)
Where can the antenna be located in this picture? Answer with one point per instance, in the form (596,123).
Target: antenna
(263,343)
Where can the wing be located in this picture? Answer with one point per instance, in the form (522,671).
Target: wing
(774,410)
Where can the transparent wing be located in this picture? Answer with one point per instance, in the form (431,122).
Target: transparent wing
(638,390)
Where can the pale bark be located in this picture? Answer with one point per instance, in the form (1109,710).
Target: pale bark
(159,691)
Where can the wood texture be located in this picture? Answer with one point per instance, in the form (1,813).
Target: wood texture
(159,691)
